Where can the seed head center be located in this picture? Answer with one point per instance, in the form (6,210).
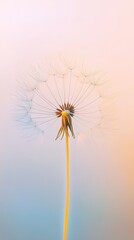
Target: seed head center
(65,113)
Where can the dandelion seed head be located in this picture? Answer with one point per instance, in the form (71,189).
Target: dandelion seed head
(65,95)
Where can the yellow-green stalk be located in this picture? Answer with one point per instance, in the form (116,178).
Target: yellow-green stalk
(66,124)
(66,210)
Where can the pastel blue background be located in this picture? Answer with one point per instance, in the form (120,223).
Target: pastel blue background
(32,173)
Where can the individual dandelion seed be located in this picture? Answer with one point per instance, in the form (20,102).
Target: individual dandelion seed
(65,99)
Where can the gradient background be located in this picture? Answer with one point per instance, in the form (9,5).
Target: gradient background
(32,173)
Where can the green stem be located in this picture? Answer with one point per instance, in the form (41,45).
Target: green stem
(66,210)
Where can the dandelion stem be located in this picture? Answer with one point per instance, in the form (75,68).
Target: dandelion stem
(66,210)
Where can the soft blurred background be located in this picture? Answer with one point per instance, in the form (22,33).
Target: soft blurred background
(32,173)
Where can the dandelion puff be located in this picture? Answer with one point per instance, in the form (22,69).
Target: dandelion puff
(65,100)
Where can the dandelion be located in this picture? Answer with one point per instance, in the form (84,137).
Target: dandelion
(65,96)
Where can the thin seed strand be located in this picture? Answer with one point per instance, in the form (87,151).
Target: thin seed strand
(45,99)
(89,103)
(42,106)
(70,81)
(58,90)
(80,100)
(52,94)
(78,95)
